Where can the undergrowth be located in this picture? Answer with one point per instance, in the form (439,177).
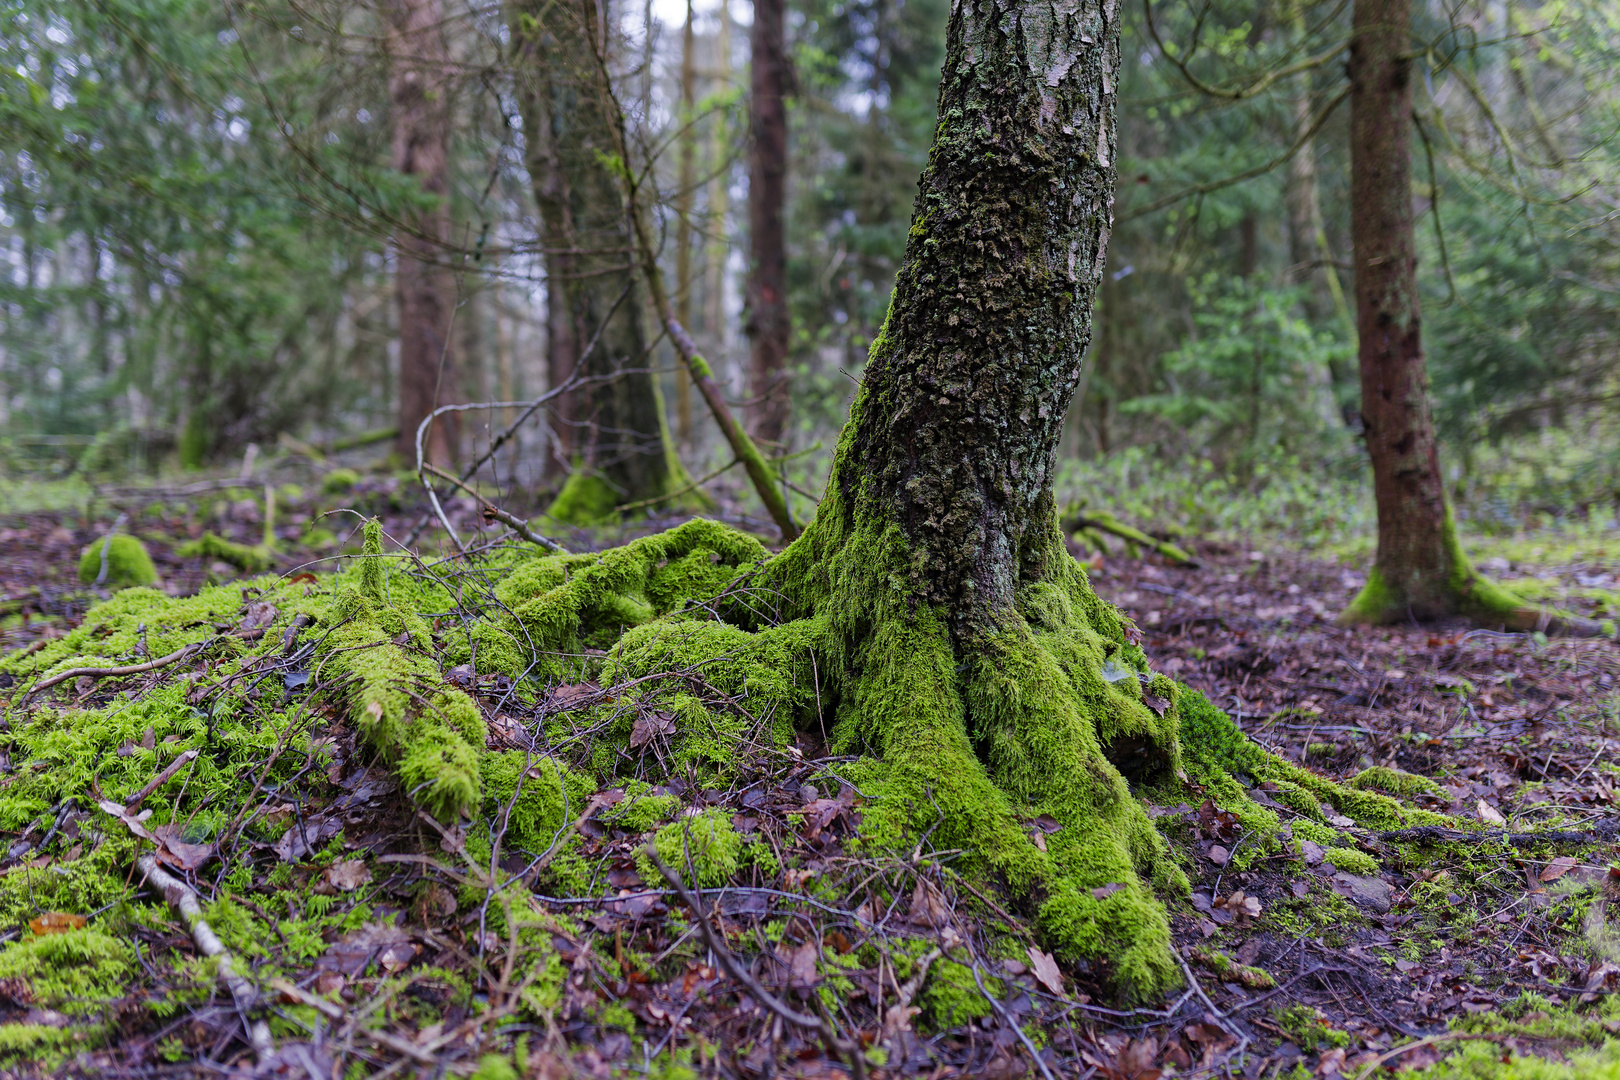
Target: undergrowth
(508,708)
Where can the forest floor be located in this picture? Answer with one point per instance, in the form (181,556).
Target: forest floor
(1408,955)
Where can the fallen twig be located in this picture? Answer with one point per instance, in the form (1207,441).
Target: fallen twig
(109,672)
(1017,1029)
(1604,832)
(184,901)
(134,801)
(512,521)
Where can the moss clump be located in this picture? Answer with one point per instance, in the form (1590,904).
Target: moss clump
(75,972)
(249,560)
(339,481)
(535,796)
(641,809)
(1351,861)
(1395,782)
(586,499)
(951,998)
(127,562)
(1309,1029)
(702,846)
(1486,1060)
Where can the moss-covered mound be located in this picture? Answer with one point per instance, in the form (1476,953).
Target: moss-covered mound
(126,561)
(512,697)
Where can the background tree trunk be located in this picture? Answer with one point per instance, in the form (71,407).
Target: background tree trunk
(619,443)
(1420,571)
(419,96)
(684,193)
(768,321)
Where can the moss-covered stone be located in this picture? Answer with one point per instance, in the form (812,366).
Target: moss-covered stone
(127,562)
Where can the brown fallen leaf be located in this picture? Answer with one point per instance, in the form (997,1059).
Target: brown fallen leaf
(1044,966)
(648,725)
(56,922)
(801,965)
(347,875)
(1559,867)
(176,852)
(1488,813)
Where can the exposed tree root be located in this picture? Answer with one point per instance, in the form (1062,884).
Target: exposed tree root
(184,901)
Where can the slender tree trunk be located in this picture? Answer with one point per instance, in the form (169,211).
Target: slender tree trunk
(719,208)
(620,447)
(683,221)
(419,96)
(1308,251)
(767,179)
(1420,571)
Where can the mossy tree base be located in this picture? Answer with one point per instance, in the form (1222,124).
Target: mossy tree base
(1396,594)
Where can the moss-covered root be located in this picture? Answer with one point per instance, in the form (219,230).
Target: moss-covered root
(431,733)
(1459,590)
(1035,748)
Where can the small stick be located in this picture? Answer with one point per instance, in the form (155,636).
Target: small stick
(289,637)
(184,901)
(333,1011)
(1029,1047)
(160,779)
(108,672)
(515,523)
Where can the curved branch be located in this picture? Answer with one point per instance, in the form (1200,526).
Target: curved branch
(1241,92)
(1259,170)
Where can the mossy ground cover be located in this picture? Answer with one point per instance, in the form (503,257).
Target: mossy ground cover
(429,809)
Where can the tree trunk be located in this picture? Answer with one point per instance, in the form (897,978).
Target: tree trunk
(767,177)
(614,424)
(1308,251)
(683,220)
(974,657)
(1420,571)
(418,94)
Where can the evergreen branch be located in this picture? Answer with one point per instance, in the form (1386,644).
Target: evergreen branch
(1259,170)
(1242,92)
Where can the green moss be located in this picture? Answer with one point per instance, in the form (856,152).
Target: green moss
(1487,1060)
(1351,861)
(1230,970)
(535,796)
(950,997)
(585,499)
(702,846)
(640,810)
(127,562)
(1309,1029)
(1395,782)
(339,481)
(249,560)
(495,1067)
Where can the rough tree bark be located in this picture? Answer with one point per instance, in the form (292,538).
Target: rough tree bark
(419,97)
(1420,571)
(768,321)
(969,651)
(613,426)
